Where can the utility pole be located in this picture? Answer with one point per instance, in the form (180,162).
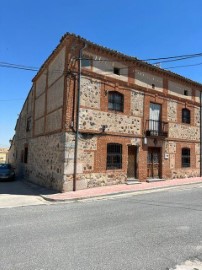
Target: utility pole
(200,133)
(77,118)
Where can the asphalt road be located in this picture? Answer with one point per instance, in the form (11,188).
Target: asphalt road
(153,231)
(19,193)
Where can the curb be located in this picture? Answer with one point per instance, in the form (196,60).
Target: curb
(118,193)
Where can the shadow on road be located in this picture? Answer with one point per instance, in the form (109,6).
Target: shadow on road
(19,187)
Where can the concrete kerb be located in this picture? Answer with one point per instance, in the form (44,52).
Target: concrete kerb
(121,193)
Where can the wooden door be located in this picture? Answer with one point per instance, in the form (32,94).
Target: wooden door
(132,162)
(153,162)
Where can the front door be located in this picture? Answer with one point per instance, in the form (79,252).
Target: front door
(132,162)
(153,162)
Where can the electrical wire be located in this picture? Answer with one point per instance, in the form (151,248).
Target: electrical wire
(2,100)
(184,56)
(173,59)
(198,64)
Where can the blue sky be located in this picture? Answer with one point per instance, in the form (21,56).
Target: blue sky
(31,29)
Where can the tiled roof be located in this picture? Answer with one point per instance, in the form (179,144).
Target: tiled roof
(121,55)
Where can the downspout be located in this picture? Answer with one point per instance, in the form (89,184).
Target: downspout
(77,119)
(200,133)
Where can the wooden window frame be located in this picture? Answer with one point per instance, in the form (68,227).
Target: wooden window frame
(114,156)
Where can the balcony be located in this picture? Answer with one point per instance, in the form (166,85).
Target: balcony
(156,128)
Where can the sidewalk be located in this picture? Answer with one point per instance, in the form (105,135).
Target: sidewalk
(119,189)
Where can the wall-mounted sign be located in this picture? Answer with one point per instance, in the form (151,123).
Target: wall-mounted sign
(166,156)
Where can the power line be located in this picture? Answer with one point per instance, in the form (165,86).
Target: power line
(18,67)
(177,59)
(198,64)
(15,99)
(173,59)
(184,56)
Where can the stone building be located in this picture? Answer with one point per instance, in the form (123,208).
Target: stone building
(3,155)
(137,122)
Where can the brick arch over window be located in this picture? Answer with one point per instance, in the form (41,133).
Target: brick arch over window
(186,116)
(185,157)
(115,101)
(114,156)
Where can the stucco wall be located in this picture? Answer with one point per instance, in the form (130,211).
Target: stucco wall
(55,95)
(40,106)
(54,121)
(106,67)
(177,89)
(41,83)
(146,79)
(56,67)
(197,96)
(39,126)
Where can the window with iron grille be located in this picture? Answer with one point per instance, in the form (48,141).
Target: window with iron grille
(186,118)
(115,101)
(114,156)
(185,157)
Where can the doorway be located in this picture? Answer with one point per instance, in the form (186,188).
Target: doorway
(154,162)
(132,162)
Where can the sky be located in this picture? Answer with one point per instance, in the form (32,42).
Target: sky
(31,29)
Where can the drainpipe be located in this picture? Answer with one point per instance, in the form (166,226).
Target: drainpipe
(77,119)
(200,133)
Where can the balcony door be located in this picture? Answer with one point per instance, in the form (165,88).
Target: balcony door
(154,118)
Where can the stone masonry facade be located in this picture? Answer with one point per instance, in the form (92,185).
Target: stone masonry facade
(119,137)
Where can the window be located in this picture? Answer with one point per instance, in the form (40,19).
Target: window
(29,121)
(186,92)
(86,63)
(186,116)
(114,156)
(115,101)
(185,157)
(116,71)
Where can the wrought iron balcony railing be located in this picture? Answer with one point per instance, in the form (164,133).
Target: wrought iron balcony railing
(156,128)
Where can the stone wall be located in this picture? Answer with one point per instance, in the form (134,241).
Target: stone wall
(46,161)
(171,149)
(172,111)
(90,93)
(197,153)
(93,120)
(185,173)
(197,117)
(137,103)
(186,132)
